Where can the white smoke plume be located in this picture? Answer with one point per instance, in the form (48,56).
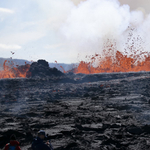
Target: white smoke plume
(91,23)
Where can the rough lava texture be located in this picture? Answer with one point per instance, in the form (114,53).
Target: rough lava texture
(41,69)
(78,112)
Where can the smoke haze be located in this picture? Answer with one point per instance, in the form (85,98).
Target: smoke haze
(143,5)
(90,24)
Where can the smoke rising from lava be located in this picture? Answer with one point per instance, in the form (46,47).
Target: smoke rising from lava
(92,22)
(109,35)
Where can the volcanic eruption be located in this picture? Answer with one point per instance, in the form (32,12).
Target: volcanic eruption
(11,71)
(106,43)
(103,102)
(112,60)
(39,68)
(113,38)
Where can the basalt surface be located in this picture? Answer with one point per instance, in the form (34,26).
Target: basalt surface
(78,112)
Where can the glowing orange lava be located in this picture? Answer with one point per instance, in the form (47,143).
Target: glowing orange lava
(109,61)
(12,72)
(118,62)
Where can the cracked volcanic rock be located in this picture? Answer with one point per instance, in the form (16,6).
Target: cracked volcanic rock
(78,112)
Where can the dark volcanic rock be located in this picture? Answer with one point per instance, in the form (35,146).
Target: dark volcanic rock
(103,115)
(42,69)
(135,130)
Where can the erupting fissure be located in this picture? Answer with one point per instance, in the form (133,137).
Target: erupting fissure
(133,57)
(117,63)
(9,71)
(111,60)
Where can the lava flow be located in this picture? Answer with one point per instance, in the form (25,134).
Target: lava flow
(110,60)
(115,61)
(9,71)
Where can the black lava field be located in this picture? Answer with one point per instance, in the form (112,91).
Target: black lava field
(77,111)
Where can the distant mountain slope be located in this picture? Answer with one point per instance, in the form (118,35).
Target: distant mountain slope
(62,66)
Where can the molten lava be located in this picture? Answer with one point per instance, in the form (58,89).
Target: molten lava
(110,60)
(118,62)
(12,72)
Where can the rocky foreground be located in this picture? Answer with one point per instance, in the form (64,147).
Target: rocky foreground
(78,112)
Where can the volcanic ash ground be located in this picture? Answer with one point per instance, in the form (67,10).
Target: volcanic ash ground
(78,112)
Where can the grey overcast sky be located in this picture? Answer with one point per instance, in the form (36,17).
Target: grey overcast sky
(134,4)
(31,28)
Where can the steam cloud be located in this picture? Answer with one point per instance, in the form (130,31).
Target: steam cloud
(91,23)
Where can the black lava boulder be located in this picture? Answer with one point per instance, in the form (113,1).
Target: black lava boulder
(41,69)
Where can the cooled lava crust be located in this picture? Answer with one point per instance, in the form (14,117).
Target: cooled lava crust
(77,111)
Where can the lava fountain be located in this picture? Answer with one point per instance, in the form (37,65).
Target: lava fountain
(112,60)
(108,64)
(9,71)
